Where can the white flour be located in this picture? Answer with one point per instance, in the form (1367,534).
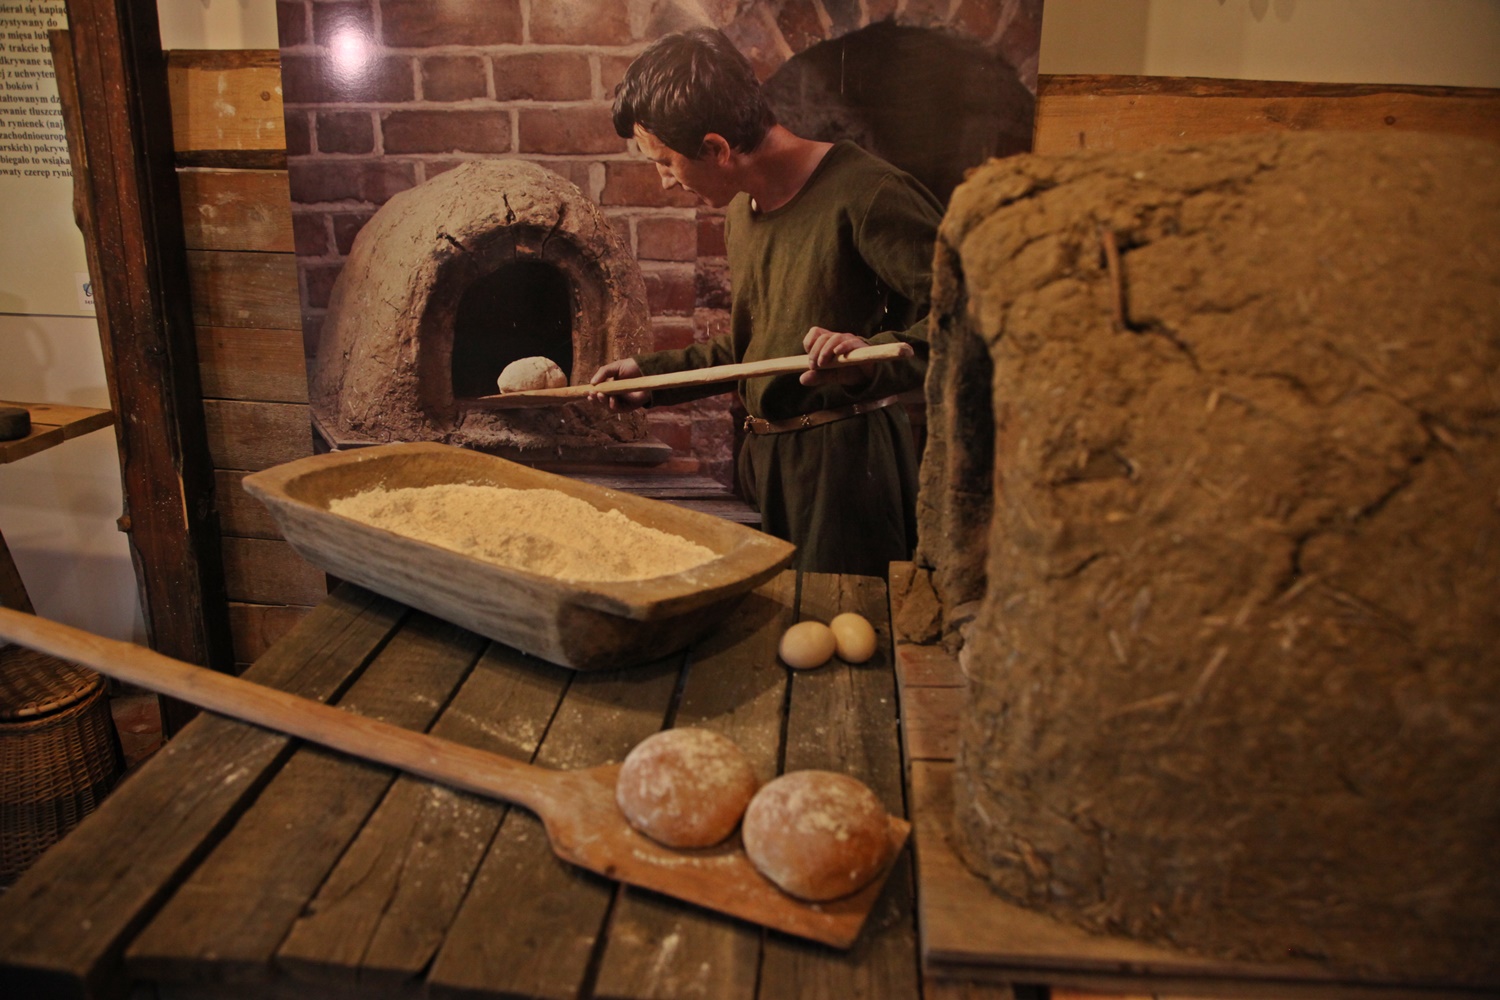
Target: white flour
(541,530)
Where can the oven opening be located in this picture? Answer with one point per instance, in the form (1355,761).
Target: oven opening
(523,309)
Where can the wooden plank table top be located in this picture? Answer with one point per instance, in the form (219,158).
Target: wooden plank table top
(52,424)
(241,863)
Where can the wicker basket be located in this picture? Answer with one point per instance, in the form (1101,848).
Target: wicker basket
(59,753)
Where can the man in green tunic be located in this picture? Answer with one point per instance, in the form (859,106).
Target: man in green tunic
(830,249)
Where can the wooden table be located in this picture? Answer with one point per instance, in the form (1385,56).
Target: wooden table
(51,425)
(241,863)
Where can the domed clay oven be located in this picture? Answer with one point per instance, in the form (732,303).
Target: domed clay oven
(1212,504)
(448,283)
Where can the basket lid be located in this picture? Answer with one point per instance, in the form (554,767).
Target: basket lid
(33,683)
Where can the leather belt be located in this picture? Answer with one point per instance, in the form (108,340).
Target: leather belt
(760,425)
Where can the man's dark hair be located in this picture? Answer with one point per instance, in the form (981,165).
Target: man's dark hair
(687,85)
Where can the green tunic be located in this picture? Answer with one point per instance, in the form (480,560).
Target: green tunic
(851,252)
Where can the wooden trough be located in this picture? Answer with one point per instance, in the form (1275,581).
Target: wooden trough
(585,625)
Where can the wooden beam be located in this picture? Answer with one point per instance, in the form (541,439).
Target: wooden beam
(1137,112)
(118,81)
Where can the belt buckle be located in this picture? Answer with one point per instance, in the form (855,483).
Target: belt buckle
(805,422)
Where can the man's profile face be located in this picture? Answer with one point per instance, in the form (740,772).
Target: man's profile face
(701,177)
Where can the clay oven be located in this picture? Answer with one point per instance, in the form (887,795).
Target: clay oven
(1212,507)
(452,280)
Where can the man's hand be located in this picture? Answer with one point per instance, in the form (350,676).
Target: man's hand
(621,402)
(824,348)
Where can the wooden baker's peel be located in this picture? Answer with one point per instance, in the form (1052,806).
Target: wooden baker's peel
(577,808)
(679,380)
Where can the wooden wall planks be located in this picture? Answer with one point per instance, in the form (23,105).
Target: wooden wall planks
(237,223)
(225,101)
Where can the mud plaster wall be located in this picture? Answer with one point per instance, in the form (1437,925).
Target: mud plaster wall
(1221,530)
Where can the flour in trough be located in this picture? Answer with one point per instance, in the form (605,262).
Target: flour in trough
(541,530)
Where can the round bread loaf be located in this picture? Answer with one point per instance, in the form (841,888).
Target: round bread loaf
(531,373)
(816,834)
(685,787)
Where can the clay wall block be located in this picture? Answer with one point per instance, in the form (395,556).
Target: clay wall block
(977,18)
(310,234)
(670,289)
(844,16)
(333,23)
(345,131)
(581,22)
(298,133)
(369,181)
(611,74)
(635,182)
(292,25)
(453,78)
(666,238)
(800,24)
(711,235)
(543,76)
(420,23)
(318,279)
(586,129)
(317,79)
(446,132)
(670,333)
(346,226)
(713,284)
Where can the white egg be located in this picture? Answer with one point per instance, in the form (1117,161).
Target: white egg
(854,637)
(806,645)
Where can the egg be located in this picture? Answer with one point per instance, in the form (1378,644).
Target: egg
(806,645)
(853,636)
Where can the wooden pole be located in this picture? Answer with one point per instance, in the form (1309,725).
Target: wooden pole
(130,205)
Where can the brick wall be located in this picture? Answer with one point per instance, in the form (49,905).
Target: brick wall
(382,95)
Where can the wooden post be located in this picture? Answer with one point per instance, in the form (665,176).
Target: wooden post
(131,214)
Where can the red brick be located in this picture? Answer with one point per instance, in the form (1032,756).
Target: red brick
(310,234)
(346,226)
(1022,39)
(664,238)
(292,23)
(977,18)
(543,76)
(760,42)
(799,24)
(671,333)
(635,182)
(581,22)
(298,134)
(419,23)
(670,291)
(926,13)
(576,171)
(568,130)
(317,179)
(312,329)
(453,78)
(673,429)
(338,22)
(317,80)
(711,234)
(317,282)
(712,284)
(846,16)
(612,73)
(446,131)
(345,132)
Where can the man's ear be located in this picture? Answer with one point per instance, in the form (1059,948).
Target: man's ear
(715,149)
